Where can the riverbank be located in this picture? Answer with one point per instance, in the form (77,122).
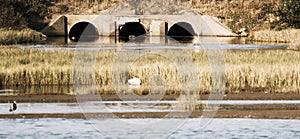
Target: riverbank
(258,114)
(23,36)
(289,36)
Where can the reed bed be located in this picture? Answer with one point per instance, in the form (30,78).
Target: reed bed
(9,36)
(290,36)
(269,71)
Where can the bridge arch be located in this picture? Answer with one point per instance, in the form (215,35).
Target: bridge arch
(83,30)
(182,31)
(130,29)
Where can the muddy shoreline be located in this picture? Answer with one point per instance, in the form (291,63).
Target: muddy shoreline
(258,114)
(269,111)
(57,98)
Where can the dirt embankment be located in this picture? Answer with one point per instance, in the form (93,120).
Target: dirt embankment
(269,114)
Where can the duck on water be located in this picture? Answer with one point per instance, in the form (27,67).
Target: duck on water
(13,107)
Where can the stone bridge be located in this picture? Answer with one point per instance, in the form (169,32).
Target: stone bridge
(127,27)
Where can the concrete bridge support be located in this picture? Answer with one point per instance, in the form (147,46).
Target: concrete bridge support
(128,27)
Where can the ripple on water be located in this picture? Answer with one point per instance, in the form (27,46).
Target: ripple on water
(218,128)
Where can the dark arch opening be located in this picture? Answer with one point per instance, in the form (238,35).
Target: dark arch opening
(83,31)
(182,32)
(132,29)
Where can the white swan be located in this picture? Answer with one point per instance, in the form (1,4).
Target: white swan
(134,81)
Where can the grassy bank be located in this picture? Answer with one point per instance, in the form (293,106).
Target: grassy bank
(264,71)
(14,36)
(289,36)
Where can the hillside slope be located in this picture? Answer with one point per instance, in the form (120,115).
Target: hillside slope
(251,14)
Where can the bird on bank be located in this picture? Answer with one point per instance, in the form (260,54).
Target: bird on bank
(242,32)
(13,107)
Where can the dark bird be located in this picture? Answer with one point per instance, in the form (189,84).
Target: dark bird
(13,107)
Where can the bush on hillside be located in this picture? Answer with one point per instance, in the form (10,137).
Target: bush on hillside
(23,13)
(289,11)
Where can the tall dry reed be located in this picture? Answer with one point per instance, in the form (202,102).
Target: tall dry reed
(268,70)
(290,36)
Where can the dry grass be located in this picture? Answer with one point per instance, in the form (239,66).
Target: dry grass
(34,67)
(269,70)
(8,36)
(290,36)
(272,71)
(82,6)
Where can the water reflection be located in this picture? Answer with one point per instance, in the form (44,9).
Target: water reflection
(133,39)
(182,39)
(158,40)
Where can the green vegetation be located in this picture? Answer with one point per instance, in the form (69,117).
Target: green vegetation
(268,71)
(19,14)
(289,12)
(267,21)
(20,18)
(252,14)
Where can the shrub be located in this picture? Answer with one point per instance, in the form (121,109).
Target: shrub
(23,13)
(289,11)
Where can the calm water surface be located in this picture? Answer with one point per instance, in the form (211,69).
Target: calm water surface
(217,128)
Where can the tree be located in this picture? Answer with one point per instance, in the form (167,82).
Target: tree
(23,13)
(289,12)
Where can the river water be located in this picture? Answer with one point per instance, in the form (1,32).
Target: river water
(217,128)
(108,128)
